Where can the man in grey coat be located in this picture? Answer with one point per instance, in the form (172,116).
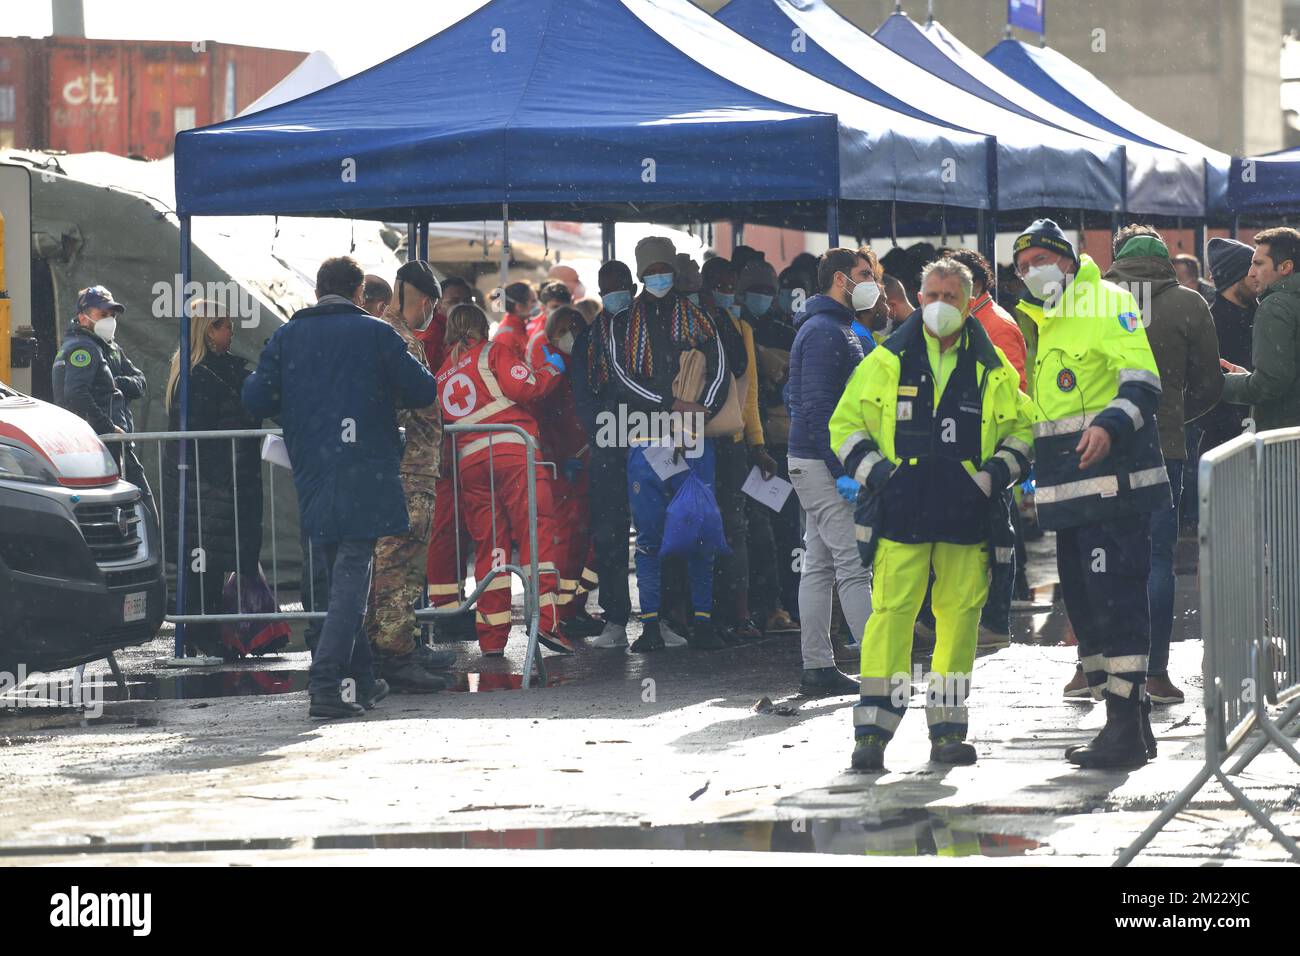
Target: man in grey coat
(1181,332)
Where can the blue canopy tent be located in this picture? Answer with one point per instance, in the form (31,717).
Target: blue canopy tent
(587,109)
(1268,187)
(1038,166)
(570,109)
(1064,83)
(1161,182)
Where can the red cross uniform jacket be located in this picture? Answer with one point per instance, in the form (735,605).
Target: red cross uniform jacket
(491,383)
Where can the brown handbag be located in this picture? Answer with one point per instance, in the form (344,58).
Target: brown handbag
(688,386)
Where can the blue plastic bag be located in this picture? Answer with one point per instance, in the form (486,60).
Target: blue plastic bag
(693,523)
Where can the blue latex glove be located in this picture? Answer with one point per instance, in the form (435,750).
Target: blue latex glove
(554,358)
(572,468)
(848,488)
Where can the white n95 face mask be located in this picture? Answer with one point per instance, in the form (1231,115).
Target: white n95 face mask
(865,295)
(1045,282)
(941,318)
(106,328)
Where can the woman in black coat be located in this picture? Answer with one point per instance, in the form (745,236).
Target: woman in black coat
(231,538)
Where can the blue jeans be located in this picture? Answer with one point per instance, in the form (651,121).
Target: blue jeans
(1160,586)
(649,497)
(343,650)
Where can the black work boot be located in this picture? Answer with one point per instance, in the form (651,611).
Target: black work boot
(869,753)
(826,682)
(950,748)
(406,674)
(331,705)
(1148,735)
(650,639)
(432,660)
(1120,745)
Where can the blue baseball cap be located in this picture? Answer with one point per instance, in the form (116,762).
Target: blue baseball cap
(97,297)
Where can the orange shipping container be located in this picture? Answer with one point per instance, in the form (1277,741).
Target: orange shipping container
(132,97)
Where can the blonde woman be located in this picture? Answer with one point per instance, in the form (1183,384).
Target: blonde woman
(216,377)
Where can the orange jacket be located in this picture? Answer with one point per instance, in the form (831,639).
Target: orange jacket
(1004,332)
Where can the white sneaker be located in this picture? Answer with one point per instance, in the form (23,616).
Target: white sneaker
(614,635)
(671,637)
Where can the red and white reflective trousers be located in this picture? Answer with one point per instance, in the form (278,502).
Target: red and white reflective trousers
(497,525)
(449,543)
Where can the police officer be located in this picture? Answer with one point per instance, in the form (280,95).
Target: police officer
(1100,475)
(934,426)
(94,378)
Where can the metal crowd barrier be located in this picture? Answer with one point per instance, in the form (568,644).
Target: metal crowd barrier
(528,575)
(1250,613)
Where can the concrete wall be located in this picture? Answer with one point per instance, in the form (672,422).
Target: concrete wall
(1208,68)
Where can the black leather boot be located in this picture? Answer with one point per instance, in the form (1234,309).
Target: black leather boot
(1120,745)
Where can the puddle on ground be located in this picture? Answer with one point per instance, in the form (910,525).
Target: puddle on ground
(915,832)
(485,682)
(242,683)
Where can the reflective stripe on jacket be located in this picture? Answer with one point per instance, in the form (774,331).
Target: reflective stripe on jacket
(1094,366)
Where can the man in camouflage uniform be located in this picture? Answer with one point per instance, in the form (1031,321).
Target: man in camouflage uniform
(403,660)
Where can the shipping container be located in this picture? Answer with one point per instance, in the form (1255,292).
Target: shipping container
(22,92)
(126,96)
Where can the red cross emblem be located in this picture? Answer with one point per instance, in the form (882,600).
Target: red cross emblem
(459,395)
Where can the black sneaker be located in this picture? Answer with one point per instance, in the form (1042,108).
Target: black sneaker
(826,682)
(332,706)
(869,754)
(950,748)
(704,636)
(650,639)
(583,624)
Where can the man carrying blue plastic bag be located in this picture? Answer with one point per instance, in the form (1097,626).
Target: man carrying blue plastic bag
(673,374)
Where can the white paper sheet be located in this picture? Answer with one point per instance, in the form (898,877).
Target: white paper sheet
(771,491)
(276,451)
(660,458)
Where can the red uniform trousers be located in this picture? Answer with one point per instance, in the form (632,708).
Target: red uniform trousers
(497,525)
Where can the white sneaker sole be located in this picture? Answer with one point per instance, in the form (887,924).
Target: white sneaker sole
(671,637)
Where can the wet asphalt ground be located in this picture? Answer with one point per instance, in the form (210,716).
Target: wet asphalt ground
(622,756)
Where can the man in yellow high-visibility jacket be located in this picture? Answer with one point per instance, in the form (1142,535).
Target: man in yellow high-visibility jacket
(1099,475)
(934,426)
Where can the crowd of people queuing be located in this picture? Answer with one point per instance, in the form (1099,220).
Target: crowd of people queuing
(908,400)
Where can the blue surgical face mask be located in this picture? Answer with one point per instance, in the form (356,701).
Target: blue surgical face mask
(787,301)
(616,302)
(758,303)
(725,300)
(658,285)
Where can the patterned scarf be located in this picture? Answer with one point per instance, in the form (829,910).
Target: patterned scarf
(598,353)
(688,326)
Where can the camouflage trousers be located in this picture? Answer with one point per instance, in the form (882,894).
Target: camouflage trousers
(398,580)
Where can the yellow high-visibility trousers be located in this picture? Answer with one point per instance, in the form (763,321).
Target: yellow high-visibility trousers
(901,573)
